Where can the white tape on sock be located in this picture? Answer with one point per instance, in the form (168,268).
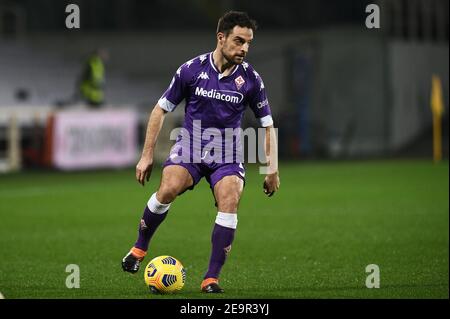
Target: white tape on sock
(227,220)
(156,207)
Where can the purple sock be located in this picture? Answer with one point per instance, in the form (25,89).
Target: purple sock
(149,223)
(221,239)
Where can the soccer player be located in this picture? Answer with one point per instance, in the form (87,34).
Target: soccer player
(217,88)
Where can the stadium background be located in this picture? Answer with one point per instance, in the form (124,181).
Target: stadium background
(360,182)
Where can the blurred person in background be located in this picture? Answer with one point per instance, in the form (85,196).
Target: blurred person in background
(92,81)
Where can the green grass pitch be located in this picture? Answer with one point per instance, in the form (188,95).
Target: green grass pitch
(313,239)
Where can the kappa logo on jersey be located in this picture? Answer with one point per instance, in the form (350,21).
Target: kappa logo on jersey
(242,173)
(222,95)
(188,63)
(203,76)
(239,82)
(172,82)
(202,58)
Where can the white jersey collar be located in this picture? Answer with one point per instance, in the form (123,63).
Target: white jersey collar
(220,75)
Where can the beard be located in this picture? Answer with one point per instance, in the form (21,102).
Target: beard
(232,59)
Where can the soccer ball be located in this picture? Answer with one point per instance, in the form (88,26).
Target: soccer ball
(164,274)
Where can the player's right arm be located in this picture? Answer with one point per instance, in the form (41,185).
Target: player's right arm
(167,103)
(145,164)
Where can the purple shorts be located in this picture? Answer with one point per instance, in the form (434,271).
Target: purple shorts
(213,172)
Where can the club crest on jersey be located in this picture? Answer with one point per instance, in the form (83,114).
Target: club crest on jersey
(239,82)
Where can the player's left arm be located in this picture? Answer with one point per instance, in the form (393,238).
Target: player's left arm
(259,103)
(272,179)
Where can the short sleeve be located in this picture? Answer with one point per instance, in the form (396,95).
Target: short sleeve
(259,102)
(176,91)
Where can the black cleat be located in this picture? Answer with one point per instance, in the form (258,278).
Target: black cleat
(211,285)
(130,263)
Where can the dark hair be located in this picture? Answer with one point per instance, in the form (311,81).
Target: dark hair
(235,18)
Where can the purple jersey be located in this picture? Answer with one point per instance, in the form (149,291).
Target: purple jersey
(218,101)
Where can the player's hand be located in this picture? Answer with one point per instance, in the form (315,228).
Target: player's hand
(271,184)
(144,169)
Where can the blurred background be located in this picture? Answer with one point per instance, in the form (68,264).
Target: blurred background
(362,118)
(337,89)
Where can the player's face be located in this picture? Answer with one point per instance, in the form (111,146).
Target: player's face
(235,45)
